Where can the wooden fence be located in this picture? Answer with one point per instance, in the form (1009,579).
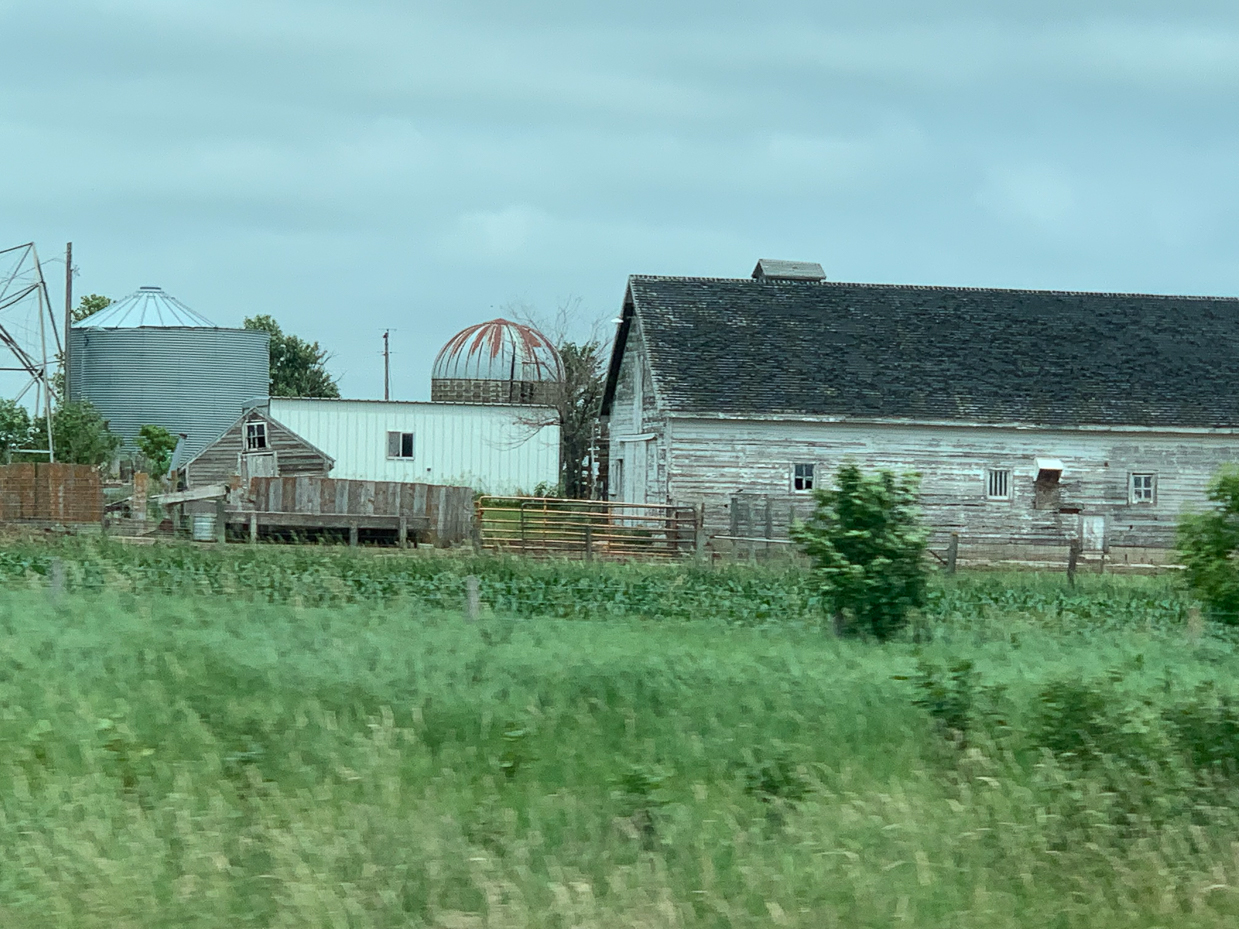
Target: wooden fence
(57,493)
(587,529)
(447,512)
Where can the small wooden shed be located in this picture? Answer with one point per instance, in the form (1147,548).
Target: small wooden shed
(256,446)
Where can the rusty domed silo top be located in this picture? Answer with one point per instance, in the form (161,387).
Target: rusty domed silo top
(499,350)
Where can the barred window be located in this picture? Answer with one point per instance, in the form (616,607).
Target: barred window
(998,484)
(802,476)
(255,436)
(1143,488)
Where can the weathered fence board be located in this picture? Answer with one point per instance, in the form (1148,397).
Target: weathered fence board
(64,493)
(447,511)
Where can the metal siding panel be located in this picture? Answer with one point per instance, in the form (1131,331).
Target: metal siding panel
(193,381)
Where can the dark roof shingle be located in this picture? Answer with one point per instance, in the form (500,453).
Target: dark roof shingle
(750,347)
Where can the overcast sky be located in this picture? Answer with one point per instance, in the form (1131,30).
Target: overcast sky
(353,165)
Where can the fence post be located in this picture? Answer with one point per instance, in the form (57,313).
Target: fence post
(402,532)
(221,521)
(1073,558)
(253,528)
(700,541)
(522,512)
(589,540)
(952,553)
(473,603)
(56,579)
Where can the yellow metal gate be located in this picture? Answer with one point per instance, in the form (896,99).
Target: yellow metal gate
(549,526)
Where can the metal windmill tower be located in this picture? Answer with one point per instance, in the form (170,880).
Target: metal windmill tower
(27,332)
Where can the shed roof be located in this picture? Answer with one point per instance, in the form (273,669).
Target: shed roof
(753,347)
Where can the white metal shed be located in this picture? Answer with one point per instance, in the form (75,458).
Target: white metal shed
(494,448)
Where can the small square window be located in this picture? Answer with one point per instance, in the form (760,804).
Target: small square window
(399,445)
(255,436)
(802,477)
(998,484)
(1143,488)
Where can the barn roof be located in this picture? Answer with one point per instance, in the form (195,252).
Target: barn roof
(750,347)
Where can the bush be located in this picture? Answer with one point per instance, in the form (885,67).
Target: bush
(1209,546)
(867,547)
(156,445)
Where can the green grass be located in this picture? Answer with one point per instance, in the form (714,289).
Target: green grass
(222,750)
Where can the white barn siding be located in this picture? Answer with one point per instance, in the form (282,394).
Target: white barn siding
(638,431)
(715,459)
(491,448)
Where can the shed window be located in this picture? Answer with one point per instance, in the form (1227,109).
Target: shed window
(802,476)
(998,484)
(399,445)
(1143,488)
(255,436)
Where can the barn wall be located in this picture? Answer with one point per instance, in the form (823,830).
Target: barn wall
(220,460)
(637,429)
(494,449)
(715,460)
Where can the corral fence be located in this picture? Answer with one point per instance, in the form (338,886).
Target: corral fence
(587,529)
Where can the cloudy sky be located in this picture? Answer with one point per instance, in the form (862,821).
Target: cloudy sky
(353,165)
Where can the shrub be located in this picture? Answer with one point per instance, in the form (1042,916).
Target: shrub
(1209,546)
(867,547)
(156,445)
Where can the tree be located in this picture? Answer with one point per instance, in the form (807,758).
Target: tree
(578,401)
(298,367)
(156,445)
(89,305)
(79,434)
(867,547)
(1208,546)
(14,429)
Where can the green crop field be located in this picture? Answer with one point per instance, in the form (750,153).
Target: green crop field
(310,737)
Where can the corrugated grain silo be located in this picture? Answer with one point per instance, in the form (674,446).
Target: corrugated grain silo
(150,359)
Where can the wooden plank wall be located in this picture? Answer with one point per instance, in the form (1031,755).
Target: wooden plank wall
(716,462)
(64,493)
(450,509)
(221,459)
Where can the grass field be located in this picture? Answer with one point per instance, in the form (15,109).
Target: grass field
(310,738)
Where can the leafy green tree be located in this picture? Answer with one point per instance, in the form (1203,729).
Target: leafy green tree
(79,434)
(298,367)
(14,429)
(156,445)
(1208,546)
(867,547)
(578,402)
(89,305)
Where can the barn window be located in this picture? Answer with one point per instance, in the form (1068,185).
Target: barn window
(998,484)
(255,436)
(399,445)
(1143,488)
(802,476)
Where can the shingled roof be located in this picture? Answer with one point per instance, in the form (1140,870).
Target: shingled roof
(754,348)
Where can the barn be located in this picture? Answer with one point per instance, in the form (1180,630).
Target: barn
(1033,417)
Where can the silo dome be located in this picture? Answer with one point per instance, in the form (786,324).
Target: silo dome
(150,359)
(497,362)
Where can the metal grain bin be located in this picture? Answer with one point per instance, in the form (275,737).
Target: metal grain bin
(150,359)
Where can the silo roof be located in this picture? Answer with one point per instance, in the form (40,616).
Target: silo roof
(499,350)
(147,306)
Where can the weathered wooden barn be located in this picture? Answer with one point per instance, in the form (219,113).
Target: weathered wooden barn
(1033,417)
(256,446)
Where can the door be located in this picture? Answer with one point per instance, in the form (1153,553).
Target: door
(258,464)
(1093,533)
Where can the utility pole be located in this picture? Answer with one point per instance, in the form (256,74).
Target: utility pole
(68,312)
(386,365)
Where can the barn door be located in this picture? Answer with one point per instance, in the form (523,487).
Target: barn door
(259,464)
(1093,533)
